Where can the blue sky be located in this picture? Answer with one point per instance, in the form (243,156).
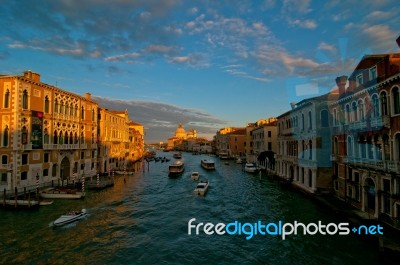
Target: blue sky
(207,64)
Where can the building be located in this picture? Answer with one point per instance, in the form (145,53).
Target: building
(231,142)
(121,142)
(366,137)
(180,140)
(47,134)
(265,142)
(304,145)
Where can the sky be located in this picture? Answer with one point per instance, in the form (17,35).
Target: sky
(206,64)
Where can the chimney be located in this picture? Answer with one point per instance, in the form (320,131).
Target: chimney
(293,104)
(341,83)
(32,75)
(87,96)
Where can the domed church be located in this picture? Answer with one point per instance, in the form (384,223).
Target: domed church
(180,136)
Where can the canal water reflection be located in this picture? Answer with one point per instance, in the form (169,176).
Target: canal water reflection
(144,219)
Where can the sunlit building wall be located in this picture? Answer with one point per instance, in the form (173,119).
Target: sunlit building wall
(47,134)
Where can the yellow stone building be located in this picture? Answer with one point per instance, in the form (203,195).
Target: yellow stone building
(49,135)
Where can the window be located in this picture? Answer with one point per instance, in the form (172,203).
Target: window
(92,114)
(361,110)
(24,135)
(25,99)
(82,155)
(46,104)
(302,122)
(24,175)
(24,159)
(354,110)
(5,136)
(7,99)
(46,157)
(375,105)
(82,113)
(384,106)
(3,177)
(269,146)
(396,100)
(56,106)
(4,159)
(309,120)
(54,170)
(334,117)
(310,178)
(324,118)
(45,172)
(359,80)
(372,73)
(269,134)
(310,155)
(55,138)
(347,114)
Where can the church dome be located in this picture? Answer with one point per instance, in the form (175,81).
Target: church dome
(180,132)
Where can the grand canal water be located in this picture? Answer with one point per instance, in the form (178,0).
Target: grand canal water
(144,221)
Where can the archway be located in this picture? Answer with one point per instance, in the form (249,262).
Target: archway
(370,192)
(65,169)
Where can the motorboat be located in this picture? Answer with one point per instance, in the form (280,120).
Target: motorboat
(61,193)
(251,168)
(240,160)
(201,187)
(176,168)
(70,217)
(207,164)
(177,155)
(195,175)
(223,156)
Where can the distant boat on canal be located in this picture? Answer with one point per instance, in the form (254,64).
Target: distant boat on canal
(177,155)
(207,164)
(61,193)
(176,168)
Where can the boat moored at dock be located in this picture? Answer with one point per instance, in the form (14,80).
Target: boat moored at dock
(61,193)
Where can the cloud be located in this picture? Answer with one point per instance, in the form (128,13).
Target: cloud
(307,23)
(162,119)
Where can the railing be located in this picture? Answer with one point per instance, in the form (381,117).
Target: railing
(384,165)
(27,147)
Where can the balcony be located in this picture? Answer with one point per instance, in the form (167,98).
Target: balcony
(27,147)
(379,122)
(358,125)
(381,165)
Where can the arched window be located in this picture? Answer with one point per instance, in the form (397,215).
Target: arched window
(71,138)
(5,136)
(46,104)
(24,135)
(60,136)
(354,111)
(56,106)
(309,120)
(66,138)
(66,109)
(310,155)
(302,121)
(375,105)
(61,107)
(82,140)
(82,113)
(350,147)
(7,99)
(46,137)
(93,115)
(55,137)
(384,106)
(361,110)
(348,114)
(396,100)
(25,99)
(397,147)
(324,118)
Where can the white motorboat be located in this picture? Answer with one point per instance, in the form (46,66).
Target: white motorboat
(201,187)
(70,217)
(251,168)
(195,175)
(207,164)
(177,155)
